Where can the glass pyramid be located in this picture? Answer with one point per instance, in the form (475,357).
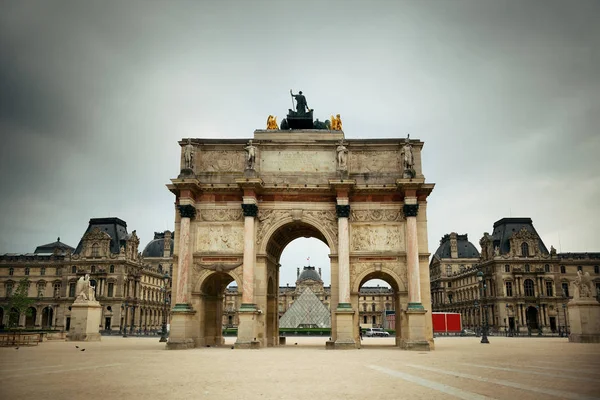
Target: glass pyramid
(306,312)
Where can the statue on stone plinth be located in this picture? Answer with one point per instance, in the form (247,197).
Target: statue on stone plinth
(583,286)
(250,155)
(188,155)
(272,123)
(84,289)
(342,156)
(301,105)
(408,161)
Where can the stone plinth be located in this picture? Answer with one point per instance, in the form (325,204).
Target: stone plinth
(344,327)
(414,337)
(183,328)
(85,321)
(584,320)
(246,338)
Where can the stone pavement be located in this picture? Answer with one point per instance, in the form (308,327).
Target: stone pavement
(460,367)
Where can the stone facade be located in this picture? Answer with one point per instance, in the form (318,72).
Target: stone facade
(120,274)
(527,287)
(371,217)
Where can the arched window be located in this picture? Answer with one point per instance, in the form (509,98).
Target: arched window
(563,270)
(528,287)
(9,288)
(524,249)
(95,250)
(112,269)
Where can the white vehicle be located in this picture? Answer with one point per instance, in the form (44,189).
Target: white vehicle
(370,332)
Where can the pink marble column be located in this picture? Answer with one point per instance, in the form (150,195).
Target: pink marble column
(250,212)
(183,266)
(343,212)
(412,255)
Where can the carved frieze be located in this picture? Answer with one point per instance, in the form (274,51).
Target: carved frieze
(328,221)
(374,161)
(400,270)
(220,215)
(376,215)
(221,161)
(377,238)
(220,238)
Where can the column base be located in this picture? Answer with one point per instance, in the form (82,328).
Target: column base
(344,315)
(247,328)
(183,328)
(577,338)
(415,337)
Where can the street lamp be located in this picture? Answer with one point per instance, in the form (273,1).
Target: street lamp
(484,338)
(163,337)
(125,319)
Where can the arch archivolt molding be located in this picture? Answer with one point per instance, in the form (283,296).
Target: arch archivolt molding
(202,272)
(325,221)
(398,271)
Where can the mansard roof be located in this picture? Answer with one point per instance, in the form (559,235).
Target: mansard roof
(116,228)
(505,228)
(57,247)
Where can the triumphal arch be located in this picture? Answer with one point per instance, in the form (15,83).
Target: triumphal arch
(239,202)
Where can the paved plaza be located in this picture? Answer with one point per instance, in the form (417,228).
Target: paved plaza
(460,367)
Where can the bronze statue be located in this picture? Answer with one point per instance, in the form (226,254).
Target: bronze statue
(301,105)
(272,123)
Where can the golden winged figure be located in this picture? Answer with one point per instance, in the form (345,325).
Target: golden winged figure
(272,123)
(336,123)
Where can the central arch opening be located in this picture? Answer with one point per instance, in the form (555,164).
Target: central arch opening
(298,304)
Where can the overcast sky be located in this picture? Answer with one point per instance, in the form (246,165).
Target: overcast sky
(94,96)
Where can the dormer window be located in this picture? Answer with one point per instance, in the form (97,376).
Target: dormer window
(524,249)
(95,250)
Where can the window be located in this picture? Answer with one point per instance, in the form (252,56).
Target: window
(365,307)
(71,290)
(372,297)
(546,268)
(461,268)
(509,291)
(374,320)
(9,288)
(73,269)
(43,271)
(365,319)
(529,288)
(58,271)
(95,250)
(93,269)
(450,298)
(524,249)
(11,271)
(27,271)
(549,290)
(388,306)
(565,289)
(449,284)
(527,268)
(579,268)
(507,268)
(596,269)
(57,290)
(112,269)
(563,270)
(111,288)
(448,269)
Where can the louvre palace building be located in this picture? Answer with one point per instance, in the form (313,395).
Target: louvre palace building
(524,288)
(130,285)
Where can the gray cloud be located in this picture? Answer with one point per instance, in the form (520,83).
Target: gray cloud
(95,95)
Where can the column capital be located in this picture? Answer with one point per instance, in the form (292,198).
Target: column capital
(250,210)
(342,210)
(187,211)
(411,210)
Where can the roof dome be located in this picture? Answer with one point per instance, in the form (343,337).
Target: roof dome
(465,248)
(309,273)
(156,247)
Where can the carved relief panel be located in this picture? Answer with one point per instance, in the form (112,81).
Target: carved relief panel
(375,161)
(220,238)
(220,161)
(377,238)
